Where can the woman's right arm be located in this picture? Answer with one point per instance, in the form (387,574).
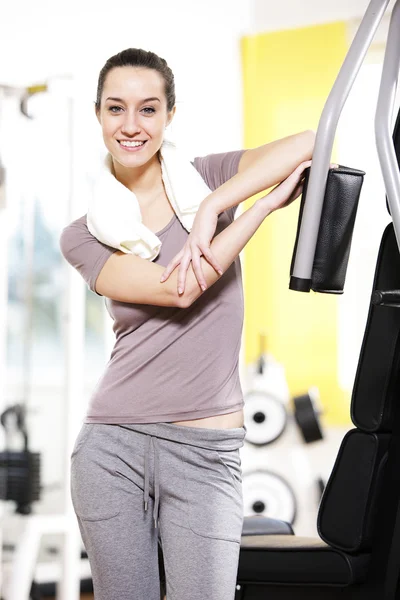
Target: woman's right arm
(129,278)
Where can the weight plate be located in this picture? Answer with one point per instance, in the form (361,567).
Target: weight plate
(268,494)
(265,418)
(307,417)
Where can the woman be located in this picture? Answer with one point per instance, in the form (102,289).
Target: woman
(172,378)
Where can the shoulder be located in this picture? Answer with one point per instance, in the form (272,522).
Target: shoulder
(76,235)
(73,234)
(76,242)
(217,168)
(83,251)
(77,225)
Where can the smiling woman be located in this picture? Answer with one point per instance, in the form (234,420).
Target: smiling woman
(133,125)
(173,376)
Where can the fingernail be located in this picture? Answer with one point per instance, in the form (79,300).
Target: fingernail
(203,287)
(220,272)
(180,290)
(162,278)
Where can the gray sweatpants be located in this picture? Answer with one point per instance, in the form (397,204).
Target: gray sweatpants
(135,486)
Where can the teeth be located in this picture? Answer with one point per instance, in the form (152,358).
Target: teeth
(123,143)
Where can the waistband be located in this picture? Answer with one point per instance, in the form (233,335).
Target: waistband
(202,437)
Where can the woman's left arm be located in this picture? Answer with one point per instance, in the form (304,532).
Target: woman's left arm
(258,170)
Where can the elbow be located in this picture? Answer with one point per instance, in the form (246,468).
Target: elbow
(190,296)
(185,300)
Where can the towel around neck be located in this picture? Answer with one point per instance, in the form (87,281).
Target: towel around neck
(114,216)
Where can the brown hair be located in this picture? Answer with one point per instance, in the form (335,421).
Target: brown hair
(136,57)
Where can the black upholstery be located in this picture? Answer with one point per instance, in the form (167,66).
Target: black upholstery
(352,492)
(342,192)
(376,385)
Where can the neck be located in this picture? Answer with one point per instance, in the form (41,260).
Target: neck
(141,180)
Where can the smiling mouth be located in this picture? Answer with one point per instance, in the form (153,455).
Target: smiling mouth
(134,143)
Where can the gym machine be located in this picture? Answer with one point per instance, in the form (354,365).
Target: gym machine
(357,553)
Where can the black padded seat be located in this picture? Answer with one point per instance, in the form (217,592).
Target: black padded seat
(261,525)
(292,560)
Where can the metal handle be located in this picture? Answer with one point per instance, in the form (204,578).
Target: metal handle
(308,234)
(383,120)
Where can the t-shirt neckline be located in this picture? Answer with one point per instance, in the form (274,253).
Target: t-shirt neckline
(168,225)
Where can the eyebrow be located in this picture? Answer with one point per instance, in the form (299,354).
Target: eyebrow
(120,99)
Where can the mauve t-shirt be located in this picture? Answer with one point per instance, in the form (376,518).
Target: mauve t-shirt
(168,363)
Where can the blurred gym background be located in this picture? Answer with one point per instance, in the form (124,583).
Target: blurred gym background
(247,72)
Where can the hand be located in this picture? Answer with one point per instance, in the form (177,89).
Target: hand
(289,189)
(197,244)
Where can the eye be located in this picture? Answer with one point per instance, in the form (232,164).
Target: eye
(110,108)
(150,108)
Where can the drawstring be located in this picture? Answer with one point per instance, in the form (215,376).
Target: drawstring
(150,439)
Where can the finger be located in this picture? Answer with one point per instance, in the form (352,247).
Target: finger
(296,193)
(304,164)
(297,190)
(185,262)
(298,172)
(207,253)
(198,271)
(171,266)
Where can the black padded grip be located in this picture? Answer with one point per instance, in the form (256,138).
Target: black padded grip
(338,215)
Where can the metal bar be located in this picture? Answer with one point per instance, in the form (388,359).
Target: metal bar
(325,137)
(384,116)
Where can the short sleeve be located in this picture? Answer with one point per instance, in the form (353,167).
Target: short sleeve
(84,252)
(215,169)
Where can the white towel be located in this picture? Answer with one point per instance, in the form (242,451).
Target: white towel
(114,216)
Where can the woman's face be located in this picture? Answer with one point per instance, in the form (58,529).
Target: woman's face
(133,109)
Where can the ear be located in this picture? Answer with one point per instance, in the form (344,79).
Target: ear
(171,115)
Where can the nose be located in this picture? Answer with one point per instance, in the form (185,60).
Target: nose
(130,124)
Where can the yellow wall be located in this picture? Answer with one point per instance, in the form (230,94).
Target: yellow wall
(287,77)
